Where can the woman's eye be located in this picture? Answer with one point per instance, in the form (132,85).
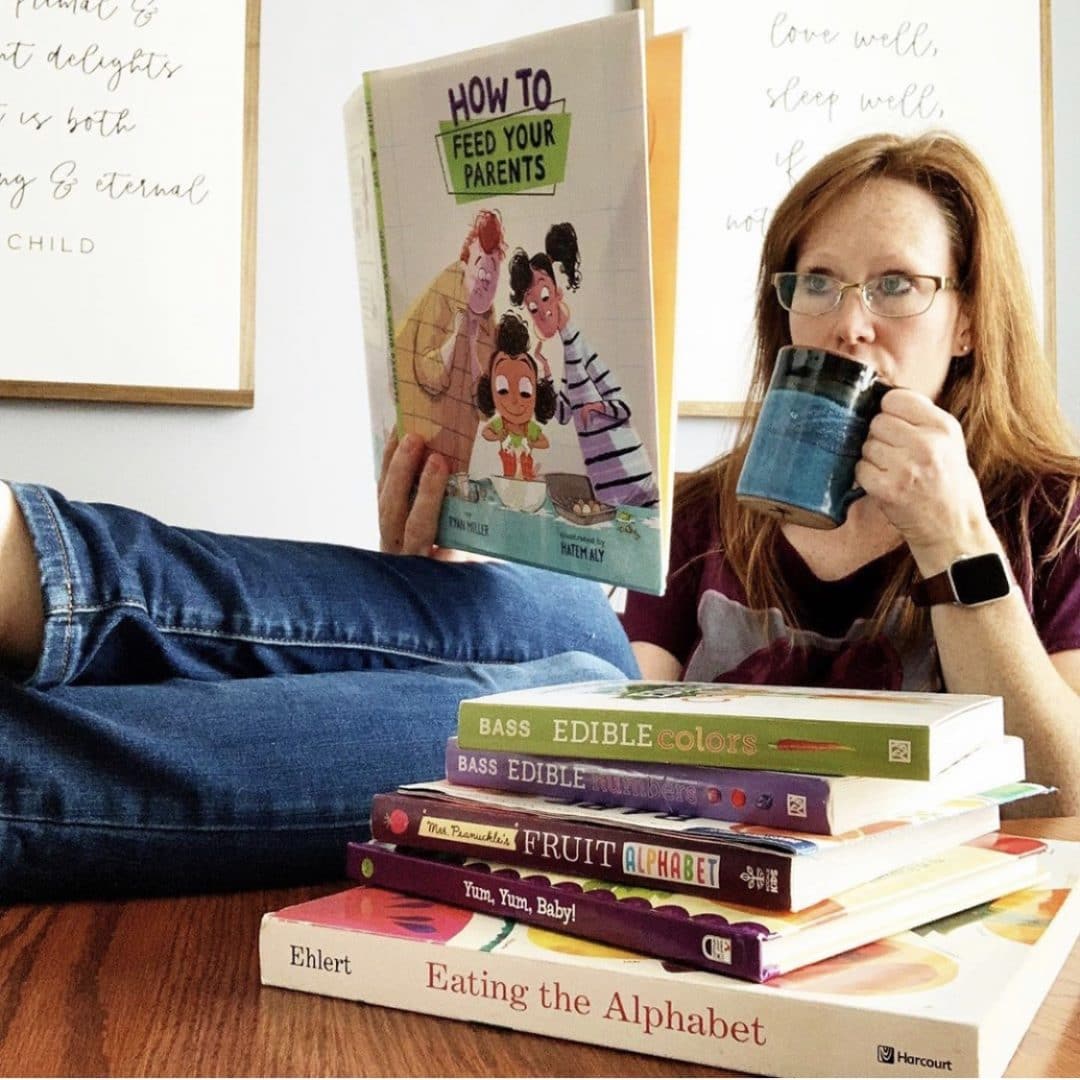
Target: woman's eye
(817,283)
(502,385)
(525,387)
(545,295)
(894,284)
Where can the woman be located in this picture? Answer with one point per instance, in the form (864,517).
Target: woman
(969,457)
(192,711)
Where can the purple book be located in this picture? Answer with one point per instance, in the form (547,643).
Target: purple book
(694,932)
(825,805)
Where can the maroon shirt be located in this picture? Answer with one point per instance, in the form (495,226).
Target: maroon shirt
(705,622)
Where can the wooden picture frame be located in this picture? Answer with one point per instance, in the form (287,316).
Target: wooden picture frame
(170,317)
(744,77)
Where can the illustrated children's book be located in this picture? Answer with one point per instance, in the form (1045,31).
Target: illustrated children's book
(502,219)
(952,998)
(737,940)
(774,800)
(744,864)
(892,734)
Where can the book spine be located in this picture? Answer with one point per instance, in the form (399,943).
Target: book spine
(725,1024)
(747,796)
(680,863)
(668,933)
(835,747)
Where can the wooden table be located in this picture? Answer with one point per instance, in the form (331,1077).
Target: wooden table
(171,987)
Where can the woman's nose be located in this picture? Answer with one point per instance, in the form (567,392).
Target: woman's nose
(852,322)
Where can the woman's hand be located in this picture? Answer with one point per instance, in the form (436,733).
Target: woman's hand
(412,483)
(915,465)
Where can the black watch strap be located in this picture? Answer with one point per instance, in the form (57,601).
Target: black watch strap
(936,589)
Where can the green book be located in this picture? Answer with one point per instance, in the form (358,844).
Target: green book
(893,734)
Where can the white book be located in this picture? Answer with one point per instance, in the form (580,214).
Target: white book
(953,998)
(501,207)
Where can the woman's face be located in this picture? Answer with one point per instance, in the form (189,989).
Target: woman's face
(513,388)
(542,302)
(887,227)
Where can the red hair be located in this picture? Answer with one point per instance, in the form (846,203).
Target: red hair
(487,228)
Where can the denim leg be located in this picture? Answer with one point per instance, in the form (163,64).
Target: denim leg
(131,600)
(215,712)
(194,785)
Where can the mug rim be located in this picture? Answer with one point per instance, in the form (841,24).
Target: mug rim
(838,362)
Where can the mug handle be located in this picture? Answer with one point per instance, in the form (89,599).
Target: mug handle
(856,491)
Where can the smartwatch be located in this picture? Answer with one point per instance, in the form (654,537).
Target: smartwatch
(970,581)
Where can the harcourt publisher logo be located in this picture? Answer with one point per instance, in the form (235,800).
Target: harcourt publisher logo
(889,1055)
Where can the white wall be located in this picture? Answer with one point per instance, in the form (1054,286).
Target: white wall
(298,464)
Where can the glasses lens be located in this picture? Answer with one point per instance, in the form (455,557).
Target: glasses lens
(807,294)
(897,296)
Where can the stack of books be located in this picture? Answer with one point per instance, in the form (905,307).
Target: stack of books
(591,810)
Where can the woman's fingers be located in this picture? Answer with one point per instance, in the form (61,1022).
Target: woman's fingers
(422,521)
(402,462)
(412,484)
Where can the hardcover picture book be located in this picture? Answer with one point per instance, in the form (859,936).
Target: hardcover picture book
(745,864)
(502,218)
(741,940)
(952,998)
(775,800)
(893,734)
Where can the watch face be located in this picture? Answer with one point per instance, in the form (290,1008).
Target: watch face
(979,579)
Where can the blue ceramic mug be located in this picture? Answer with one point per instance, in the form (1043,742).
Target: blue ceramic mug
(809,436)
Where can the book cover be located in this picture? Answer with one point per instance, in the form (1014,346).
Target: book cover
(501,205)
(892,734)
(775,800)
(953,998)
(717,859)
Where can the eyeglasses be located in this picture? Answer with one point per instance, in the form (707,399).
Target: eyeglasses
(893,296)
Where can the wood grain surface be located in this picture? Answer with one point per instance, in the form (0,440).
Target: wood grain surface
(170,987)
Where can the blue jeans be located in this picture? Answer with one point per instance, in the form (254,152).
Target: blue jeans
(216,712)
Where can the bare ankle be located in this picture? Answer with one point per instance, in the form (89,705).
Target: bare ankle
(22,615)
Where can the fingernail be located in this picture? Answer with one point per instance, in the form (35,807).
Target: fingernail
(412,443)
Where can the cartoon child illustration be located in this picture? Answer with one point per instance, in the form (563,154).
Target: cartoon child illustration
(445,343)
(616,462)
(516,399)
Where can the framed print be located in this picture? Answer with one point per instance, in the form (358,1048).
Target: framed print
(770,88)
(127,200)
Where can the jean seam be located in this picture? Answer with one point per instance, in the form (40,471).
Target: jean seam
(354,646)
(69,583)
(19,819)
(268,639)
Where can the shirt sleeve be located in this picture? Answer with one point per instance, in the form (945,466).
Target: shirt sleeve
(670,621)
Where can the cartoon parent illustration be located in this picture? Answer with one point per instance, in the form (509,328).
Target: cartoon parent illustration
(616,462)
(516,399)
(446,341)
